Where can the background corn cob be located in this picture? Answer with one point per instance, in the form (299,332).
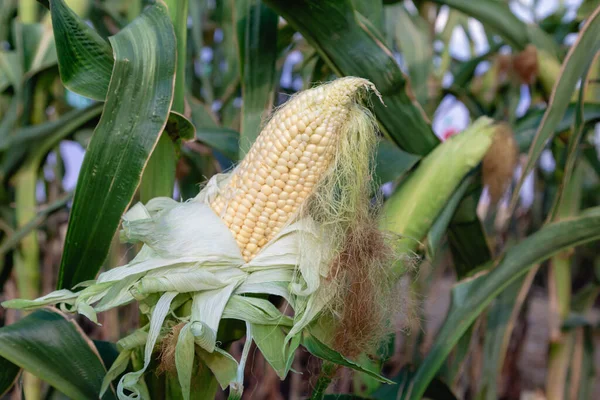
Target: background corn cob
(295,148)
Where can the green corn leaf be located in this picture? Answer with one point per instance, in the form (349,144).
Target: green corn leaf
(500,322)
(11,69)
(471,297)
(350,45)
(256,26)
(159,173)
(392,162)
(108,352)
(588,366)
(55,350)
(222,139)
(9,373)
(572,184)
(436,390)
(411,35)
(13,240)
(464,72)
(371,10)
(130,126)
(86,62)
(466,236)
(439,227)
(39,48)
(580,56)
(32,135)
(526,127)
(35,141)
(85,59)
(321,350)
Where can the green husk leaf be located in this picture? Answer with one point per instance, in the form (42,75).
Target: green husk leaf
(132,381)
(255,311)
(414,207)
(270,340)
(116,369)
(184,359)
(223,366)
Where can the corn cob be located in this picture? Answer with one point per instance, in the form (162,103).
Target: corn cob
(280,171)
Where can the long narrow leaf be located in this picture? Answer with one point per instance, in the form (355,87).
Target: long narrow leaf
(55,350)
(9,373)
(257,43)
(131,123)
(86,62)
(579,57)
(13,240)
(572,151)
(526,127)
(411,35)
(85,59)
(470,298)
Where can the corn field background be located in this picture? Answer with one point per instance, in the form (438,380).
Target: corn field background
(107,103)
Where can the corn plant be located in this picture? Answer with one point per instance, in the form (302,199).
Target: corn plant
(247,226)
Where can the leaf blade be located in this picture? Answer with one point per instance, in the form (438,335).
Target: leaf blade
(576,62)
(54,349)
(472,296)
(126,135)
(85,60)
(257,47)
